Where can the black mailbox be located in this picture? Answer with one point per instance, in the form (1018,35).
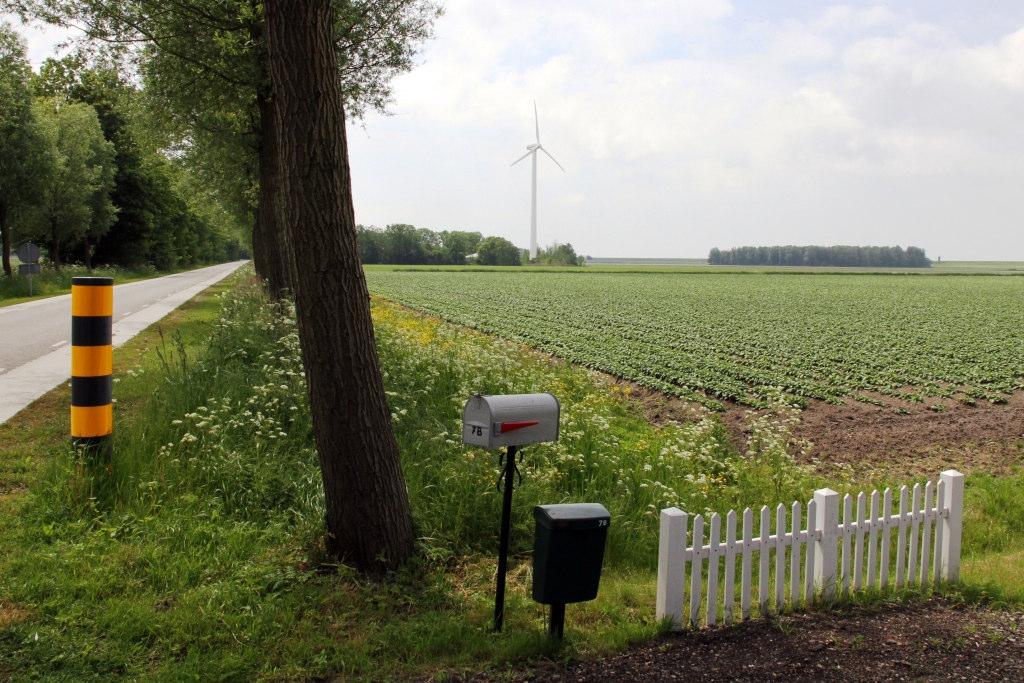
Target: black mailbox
(568,551)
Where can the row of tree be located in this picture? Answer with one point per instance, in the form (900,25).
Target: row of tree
(252,99)
(81,175)
(406,244)
(844,256)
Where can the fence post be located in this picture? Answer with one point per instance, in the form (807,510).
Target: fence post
(671,566)
(951,517)
(826,544)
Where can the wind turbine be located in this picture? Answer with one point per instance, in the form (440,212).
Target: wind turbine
(532,150)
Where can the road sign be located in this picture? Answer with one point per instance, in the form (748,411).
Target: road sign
(28,253)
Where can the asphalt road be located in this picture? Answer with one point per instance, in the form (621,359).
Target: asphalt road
(34,336)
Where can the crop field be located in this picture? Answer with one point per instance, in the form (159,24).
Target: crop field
(649,266)
(741,337)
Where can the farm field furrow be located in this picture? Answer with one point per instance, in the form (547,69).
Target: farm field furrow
(737,337)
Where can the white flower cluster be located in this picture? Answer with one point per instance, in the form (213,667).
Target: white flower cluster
(248,443)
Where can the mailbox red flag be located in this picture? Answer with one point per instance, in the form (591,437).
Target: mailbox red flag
(513,426)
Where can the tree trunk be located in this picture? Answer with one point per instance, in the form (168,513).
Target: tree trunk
(259,246)
(54,246)
(368,520)
(5,238)
(273,261)
(277,255)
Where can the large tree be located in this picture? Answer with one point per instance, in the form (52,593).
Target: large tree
(22,162)
(498,251)
(74,204)
(368,519)
(157,220)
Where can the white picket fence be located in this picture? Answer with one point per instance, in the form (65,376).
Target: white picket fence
(927,548)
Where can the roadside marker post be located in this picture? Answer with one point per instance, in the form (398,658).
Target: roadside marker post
(92,408)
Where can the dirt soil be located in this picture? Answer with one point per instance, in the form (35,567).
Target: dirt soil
(987,437)
(900,438)
(928,641)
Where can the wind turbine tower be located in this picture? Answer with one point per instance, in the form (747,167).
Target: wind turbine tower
(532,150)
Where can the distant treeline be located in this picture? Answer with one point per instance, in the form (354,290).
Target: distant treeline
(403,244)
(846,256)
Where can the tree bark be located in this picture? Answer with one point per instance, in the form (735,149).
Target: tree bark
(259,246)
(368,519)
(277,253)
(5,238)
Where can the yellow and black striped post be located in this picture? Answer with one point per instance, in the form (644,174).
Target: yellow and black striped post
(92,408)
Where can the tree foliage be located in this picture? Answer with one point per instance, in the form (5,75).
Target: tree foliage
(400,243)
(204,65)
(498,251)
(83,174)
(74,205)
(873,257)
(560,255)
(22,158)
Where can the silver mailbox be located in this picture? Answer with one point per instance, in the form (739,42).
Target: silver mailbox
(510,420)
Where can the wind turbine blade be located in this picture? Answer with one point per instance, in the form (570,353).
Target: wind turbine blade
(536,120)
(552,159)
(523,157)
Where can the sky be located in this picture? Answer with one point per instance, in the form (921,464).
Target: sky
(690,124)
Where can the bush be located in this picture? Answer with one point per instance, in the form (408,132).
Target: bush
(560,255)
(498,251)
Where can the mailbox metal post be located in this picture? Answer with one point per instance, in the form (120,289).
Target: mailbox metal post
(556,624)
(510,421)
(506,528)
